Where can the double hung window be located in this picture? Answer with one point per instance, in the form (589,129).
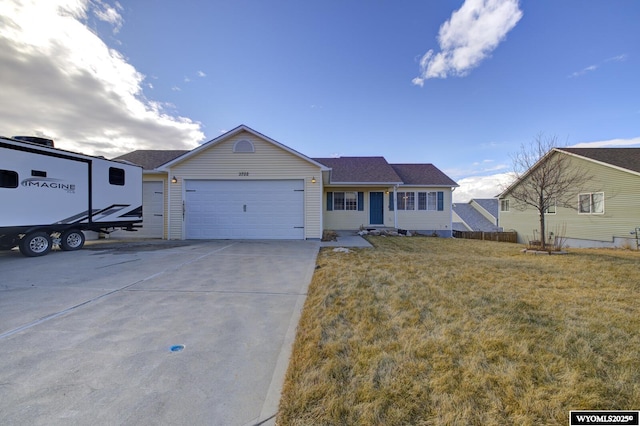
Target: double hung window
(406,201)
(345,201)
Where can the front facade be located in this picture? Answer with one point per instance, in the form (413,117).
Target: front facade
(369,192)
(244,185)
(606,210)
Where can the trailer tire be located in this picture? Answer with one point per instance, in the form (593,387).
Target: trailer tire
(72,239)
(35,244)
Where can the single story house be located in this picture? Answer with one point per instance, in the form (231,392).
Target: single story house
(606,212)
(245,185)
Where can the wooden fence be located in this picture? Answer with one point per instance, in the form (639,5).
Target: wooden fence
(503,237)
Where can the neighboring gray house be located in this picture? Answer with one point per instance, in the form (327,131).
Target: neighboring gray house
(479,214)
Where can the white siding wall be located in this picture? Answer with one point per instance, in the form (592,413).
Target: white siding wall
(267,162)
(421,220)
(416,220)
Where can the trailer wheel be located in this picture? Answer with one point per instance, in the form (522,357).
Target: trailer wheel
(35,244)
(71,239)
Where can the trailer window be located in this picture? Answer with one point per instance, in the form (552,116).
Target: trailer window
(116,176)
(8,179)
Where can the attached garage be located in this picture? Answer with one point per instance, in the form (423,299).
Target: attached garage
(244,209)
(243,185)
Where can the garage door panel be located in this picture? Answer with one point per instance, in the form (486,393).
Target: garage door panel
(245,209)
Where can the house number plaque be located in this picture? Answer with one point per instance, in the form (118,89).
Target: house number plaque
(243,173)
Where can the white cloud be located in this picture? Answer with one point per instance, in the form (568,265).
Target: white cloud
(590,68)
(468,37)
(611,143)
(201,74)
(109,14)
(63,81)
(481,186)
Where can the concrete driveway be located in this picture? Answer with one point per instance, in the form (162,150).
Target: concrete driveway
(86,336)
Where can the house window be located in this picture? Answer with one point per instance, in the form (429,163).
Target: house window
(428,200)
(116,176)
(591,203)
(345,201)
(243,146)
(504,205)
(8,179)
(552,207)
(406,201)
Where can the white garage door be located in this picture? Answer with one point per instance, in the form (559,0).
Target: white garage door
(266,209)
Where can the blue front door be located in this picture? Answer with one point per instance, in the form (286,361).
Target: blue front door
(376,208)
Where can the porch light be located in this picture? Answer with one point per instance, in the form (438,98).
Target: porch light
(174,180)
(313,179)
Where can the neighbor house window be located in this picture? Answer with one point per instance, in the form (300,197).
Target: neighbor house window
(552,207)
(504,205)
(428,200)
(591,203)
(406,201)
(116,176)
(345,201)
(8,179)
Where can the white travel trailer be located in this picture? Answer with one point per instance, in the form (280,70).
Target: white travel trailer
(49,196)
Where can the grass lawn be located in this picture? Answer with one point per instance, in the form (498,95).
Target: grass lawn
(442,331)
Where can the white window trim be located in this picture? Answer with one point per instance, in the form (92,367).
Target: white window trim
(244,146)
(554,206)
(505,202)
(344,206)
(404,207)
(591,203)
(429,207)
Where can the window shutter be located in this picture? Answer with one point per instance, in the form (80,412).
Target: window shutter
(440,201)
(329,201)
(360,201)
(391,203)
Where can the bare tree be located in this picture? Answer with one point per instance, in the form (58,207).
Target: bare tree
(545,179)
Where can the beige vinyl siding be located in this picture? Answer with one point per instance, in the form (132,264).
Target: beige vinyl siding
(621,208)
(426,220)
(160,177)
(267,162)
(414,220)
(353,219)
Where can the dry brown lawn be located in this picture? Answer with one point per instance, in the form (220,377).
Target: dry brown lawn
(444,332)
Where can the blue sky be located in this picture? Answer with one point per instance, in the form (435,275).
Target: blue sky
(460,84)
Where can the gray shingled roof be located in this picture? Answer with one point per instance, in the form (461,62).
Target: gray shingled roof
(149,159)
(474,218)
(627,158)
(422,174)
(489,204)
(360,170)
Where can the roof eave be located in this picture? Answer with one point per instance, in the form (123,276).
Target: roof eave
(364,183)
(231,133)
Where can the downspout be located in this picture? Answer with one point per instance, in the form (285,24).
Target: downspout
(168,206)
(451,212)
(395,208)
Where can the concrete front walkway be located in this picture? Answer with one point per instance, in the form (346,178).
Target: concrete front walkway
(86,337)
